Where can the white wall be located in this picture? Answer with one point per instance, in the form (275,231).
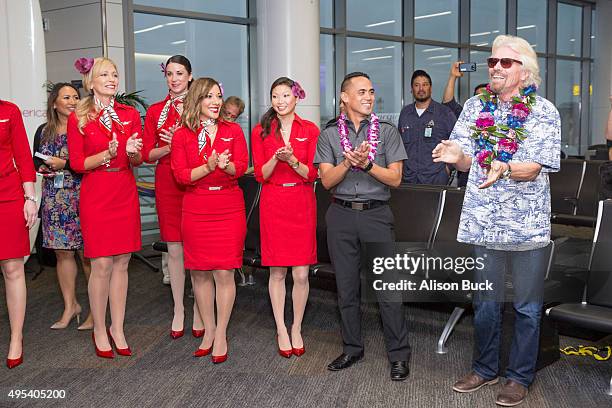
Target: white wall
(75,30)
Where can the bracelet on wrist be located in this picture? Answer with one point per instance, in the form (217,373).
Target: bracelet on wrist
(295,165)
(30,198)
(105,161)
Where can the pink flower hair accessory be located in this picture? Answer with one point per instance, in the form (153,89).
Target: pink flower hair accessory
(221,88)
(84,65)
(297,90)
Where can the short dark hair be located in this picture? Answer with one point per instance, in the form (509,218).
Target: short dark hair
(420,73)
(483,85)
(348,77)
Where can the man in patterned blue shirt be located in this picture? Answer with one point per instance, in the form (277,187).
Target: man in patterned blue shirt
(506,215)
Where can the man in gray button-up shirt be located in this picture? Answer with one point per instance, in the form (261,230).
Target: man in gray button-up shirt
(360,213)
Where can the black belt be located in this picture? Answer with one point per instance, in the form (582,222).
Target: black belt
(359,205)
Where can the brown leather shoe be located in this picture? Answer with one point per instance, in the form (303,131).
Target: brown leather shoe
(511,394)
(473,382)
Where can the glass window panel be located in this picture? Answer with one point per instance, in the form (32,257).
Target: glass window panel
(328,92)
(156,38)
(436,20)
(488,20)
(531,23)
(382,61)
(436,61)
(375,17)
(326,13)
(237,8)
(569,29)
(542,87)
(481,76)
(567,100)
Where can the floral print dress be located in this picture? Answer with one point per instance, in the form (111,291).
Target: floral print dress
(60,204)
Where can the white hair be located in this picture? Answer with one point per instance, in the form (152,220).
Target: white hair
(527,56)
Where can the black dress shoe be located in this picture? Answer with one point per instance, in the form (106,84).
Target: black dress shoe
(399,370)
(343,361)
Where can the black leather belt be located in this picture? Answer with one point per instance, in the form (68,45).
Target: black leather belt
(359,205)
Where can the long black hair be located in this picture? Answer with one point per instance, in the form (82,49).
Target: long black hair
(180,59)
(270,115)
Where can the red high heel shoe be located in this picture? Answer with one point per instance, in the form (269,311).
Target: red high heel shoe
(298,351)
(121,351)
(14,362)
(204,352)
(175,334)
(102,353)
(197,333)
(220,359)
(284,353)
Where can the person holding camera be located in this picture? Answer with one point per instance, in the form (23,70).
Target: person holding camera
(423,124)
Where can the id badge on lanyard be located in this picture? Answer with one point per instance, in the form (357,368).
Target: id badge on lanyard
(429,128)
(58,180)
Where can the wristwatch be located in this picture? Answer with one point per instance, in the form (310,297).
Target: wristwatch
(368,167)
(295,165)
(506,174)
(30,198)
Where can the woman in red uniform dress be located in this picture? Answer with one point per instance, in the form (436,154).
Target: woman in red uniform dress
(17,177)
(104,143)
(163,118)
(207,157)
(283,147)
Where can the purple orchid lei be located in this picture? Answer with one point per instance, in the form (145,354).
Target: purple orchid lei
(501,141)
(372,138)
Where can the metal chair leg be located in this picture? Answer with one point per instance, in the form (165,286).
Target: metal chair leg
(146,262)
(243,281)
(448,329)
(250,279)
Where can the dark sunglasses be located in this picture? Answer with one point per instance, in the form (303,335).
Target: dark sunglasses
(505,62)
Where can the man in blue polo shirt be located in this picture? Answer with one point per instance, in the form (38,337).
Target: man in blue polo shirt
(422,125)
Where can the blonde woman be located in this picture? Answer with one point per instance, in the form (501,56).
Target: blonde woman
(104,143)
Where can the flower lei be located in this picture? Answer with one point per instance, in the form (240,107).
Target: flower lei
(372,139)
(501,141)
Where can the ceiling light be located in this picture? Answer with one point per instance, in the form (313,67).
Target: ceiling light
(381,23)
(444,13)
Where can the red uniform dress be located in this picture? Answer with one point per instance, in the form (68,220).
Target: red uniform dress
(109,208)
(214,218)
(287,207)
(168,193)
(14,148)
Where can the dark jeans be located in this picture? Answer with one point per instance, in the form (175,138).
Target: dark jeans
(528,269)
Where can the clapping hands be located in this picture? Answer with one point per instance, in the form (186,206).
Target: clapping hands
(112,146)
(359,156)
(223,159)
(166,134)
(284,153)
(133,145)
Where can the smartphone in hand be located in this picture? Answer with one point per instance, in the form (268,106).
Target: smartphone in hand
(468,67)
